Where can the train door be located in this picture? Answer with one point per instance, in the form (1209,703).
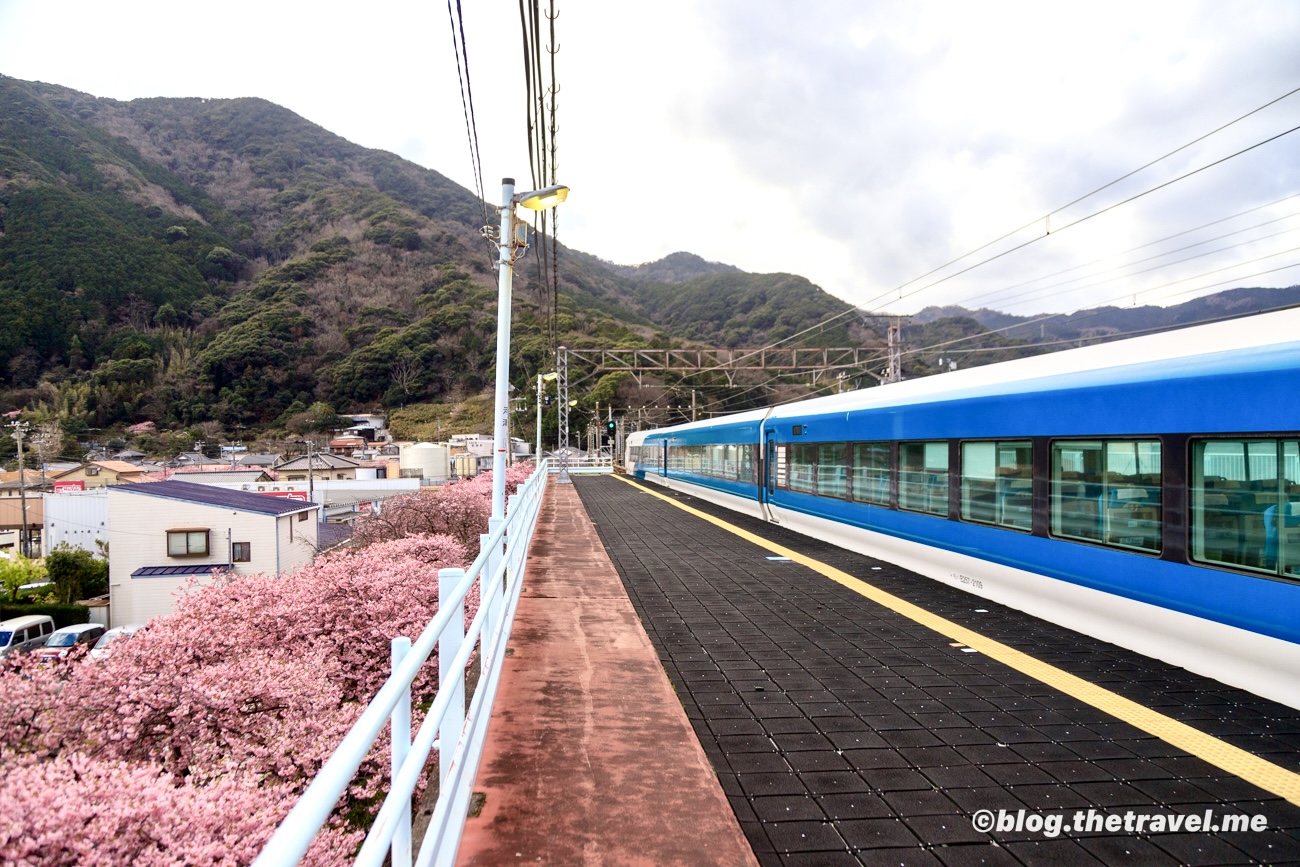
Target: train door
(768,487)
(663,459)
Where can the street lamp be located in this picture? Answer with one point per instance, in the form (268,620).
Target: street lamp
(508,243)
(541,379)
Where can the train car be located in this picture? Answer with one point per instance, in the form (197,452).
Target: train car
(1145,491)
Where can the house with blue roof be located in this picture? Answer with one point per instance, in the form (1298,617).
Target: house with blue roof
(164,535)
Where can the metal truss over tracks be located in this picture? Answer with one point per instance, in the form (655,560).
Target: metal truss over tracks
(812,360)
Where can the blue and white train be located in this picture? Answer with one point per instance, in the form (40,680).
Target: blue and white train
(1145,491)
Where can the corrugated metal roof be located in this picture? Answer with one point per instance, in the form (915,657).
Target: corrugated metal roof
(318,461)
(209,495)
(177,571)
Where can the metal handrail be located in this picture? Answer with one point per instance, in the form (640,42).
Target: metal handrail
(602,464)
(458,735)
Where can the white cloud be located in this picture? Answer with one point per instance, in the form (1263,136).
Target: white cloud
(860,145)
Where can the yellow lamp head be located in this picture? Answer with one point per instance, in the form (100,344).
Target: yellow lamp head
(542,200)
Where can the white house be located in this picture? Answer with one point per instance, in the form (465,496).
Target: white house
(163,534)
(76,518)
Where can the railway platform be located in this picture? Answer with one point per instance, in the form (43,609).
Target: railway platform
(855,713)
(590,758)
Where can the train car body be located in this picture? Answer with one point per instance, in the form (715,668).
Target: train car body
(1145,492)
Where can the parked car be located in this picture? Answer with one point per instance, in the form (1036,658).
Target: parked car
(118,633)
(61,643)
(20,634)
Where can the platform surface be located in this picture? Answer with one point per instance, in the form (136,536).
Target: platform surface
(590,759)
(844,733)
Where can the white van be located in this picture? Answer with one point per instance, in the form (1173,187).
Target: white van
(24,633)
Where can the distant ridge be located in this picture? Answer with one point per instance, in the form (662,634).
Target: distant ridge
(1119,321)
(673,268)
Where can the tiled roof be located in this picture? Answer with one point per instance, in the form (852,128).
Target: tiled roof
(330,535)
(243,501)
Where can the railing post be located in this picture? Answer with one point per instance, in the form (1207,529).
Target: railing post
(400,723)
(490,589)
(512,514)
(448,646)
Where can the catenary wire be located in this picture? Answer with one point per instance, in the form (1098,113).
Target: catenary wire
(1076,222)
(1098,261)
(467,100)
(1089,195)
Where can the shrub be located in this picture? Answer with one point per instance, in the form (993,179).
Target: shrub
(64,615)
(75,572)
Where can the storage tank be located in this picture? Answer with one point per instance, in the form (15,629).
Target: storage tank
(425,461)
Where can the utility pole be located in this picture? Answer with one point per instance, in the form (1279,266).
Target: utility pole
(20,431)
(311,470)
(895,371)
(562,388)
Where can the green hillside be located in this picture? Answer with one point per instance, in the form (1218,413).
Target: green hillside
(228,263)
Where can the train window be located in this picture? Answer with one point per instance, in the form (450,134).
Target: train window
(997,484)
(871,473)
(1245,501)
(1108,492)
(923,477)
(803,468)
(832,470)
(746,470)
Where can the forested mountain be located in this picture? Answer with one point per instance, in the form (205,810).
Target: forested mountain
(186,261)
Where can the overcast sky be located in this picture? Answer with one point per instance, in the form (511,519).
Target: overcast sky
(859,144)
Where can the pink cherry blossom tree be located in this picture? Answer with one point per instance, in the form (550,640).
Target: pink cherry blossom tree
(191,741)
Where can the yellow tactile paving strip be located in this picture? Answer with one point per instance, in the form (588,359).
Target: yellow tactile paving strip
(1238,762)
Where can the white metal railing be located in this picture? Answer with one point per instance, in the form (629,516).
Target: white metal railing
(458,734)
(584,465)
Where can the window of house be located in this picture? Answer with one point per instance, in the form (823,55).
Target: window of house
(997,483)
(923,477)
(241,552)
(302,516)
(1245,501)
(1108,491)
(187,543)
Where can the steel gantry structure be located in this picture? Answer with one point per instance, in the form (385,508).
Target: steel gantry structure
(815,361)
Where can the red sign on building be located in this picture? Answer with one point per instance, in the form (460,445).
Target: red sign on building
(287,495)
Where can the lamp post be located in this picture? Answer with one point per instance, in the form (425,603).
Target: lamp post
(508,242)
(542,379)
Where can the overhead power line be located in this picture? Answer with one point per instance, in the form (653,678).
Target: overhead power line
(1047,217)
(461,52)
(541,129)
(1083,219)
(1098,261)
(823,323)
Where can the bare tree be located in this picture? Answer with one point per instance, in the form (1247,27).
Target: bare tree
(406,374)
(47,442)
